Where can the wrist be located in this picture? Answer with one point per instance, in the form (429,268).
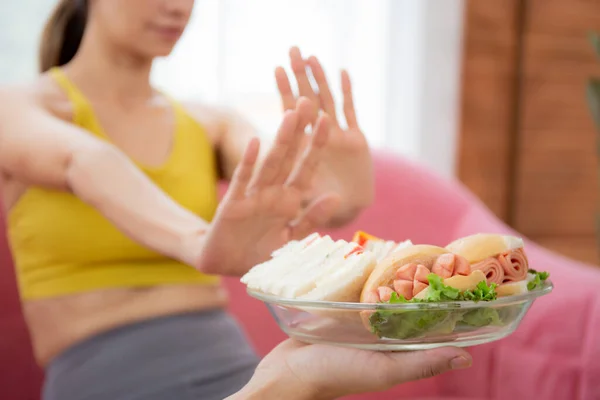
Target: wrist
(191,245)
(274,388)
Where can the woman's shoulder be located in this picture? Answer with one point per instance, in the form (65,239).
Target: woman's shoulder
(211,118)
(42,92)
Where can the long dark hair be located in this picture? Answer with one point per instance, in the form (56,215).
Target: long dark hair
(63,33)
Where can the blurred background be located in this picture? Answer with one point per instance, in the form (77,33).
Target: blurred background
(491,93)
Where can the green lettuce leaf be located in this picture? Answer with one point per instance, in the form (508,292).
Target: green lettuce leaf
(415,323)
(439,292)
(481,317)
(482,292)
(538,280)
(409,323)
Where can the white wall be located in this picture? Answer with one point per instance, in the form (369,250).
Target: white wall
(424,80)
(21,23)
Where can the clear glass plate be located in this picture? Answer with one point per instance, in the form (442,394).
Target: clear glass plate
(398,327)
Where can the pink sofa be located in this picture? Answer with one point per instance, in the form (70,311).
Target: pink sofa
(554,355)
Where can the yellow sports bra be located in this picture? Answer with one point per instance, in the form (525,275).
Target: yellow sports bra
(62,246)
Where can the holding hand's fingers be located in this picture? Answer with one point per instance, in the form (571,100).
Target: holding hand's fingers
(414,365)
(305,169)
(326,98)
(333,372)
(349,112)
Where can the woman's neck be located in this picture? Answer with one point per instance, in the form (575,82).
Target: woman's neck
(110,73)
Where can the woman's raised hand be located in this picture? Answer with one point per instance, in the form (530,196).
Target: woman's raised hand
(346,166)
(263,207)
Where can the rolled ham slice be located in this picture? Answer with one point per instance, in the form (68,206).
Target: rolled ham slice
(492,269)
(500,257)
(504,268)
(515,265)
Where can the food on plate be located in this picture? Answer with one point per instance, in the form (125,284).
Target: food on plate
(315,268)
(502,259)
(380,248)
(361,238)
(416,291)
(405,272)
(420,274)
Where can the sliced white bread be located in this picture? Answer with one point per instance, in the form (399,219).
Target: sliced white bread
(383,248)
(315,268)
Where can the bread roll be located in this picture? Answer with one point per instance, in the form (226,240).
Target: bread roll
(480,246)
(501,258)
(384,273)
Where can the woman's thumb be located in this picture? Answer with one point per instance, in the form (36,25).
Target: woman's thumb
(316,215)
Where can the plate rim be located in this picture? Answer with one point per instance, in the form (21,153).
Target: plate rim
(546,288)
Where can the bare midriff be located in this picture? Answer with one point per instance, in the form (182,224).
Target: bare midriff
(56,324)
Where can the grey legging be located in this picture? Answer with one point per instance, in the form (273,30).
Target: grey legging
(188,356)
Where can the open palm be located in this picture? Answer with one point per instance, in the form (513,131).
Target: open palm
(262,209)
(346,164)
(317,371)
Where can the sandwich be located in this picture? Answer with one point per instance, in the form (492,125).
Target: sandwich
(419,274)
(316,268)
(319,268)
(405,272)
(502,260)
(478,268)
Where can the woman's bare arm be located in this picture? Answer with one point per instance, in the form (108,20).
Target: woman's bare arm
(37,148)
(229,131)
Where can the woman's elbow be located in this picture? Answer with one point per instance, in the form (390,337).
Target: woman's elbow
(90,168)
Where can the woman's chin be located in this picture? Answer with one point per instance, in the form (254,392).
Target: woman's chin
(156,50)
(163,51)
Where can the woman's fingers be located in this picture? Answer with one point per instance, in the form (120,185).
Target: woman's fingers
(271,165)
(301,176)
(414,365)
(349,112)
(243,171)
(299,68)
(288,100)
(304,110)
(326,98)
(316,214)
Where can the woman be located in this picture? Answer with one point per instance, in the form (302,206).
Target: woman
(110,190)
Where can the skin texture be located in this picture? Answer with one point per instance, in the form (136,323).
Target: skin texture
(347,164)
(299,371)
(39,146)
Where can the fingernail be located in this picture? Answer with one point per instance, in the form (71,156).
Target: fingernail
(460,363)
